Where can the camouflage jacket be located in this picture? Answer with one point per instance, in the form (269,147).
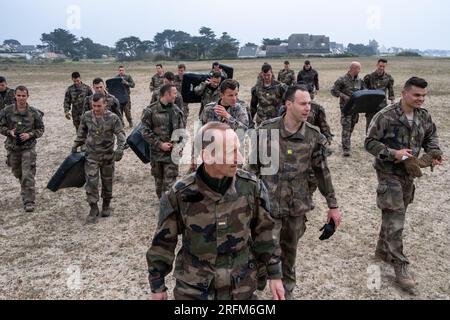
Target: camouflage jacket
(178,82)
(287,77)
(157,82)
(390,131)
(266,101)
(75,97)
(7,98)
(238,120)
(112,104)
(159,122)
(223,237)
(129,82)
(208,94)
(30,122)
(310,78)
(302,166)
(178,101)
(98,134)
(345,86)
(384,82)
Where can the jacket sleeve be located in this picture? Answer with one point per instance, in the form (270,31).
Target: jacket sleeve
(81,133)
(120,134)
(316,81)
(374,141)
(200,89)
(265,245)
(147,130)
(38,127)
(322,173)
(161,255)
(431,140)
(67,101)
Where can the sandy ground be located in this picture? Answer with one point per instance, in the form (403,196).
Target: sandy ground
(50,254)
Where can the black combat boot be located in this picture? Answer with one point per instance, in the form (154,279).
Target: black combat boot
(93,214)
(106,209)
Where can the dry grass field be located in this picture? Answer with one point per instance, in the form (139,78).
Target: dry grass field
(50,254)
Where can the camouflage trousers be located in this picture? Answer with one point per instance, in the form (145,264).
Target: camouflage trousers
(185,110)
(165,175)
(76,118)
(127,111)
(394,194)
(289,230)
(95,166)
(369,117)
(348,125)
(23,166)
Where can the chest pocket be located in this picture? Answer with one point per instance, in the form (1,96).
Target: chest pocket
(297,159)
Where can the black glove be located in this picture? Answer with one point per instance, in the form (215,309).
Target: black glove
(19,141)
(328,230)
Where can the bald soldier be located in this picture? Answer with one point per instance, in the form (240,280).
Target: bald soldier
(222,215)
(298,165)
(343,89)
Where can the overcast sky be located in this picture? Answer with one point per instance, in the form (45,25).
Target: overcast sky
(401,23)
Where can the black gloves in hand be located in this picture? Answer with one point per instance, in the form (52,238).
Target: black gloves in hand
(328,230)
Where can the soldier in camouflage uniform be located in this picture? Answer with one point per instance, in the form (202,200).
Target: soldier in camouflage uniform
(209,91)
(157,80)
(228,109)
(267,96)
(74,98)
(22,124)
(112,104)
(398,133)
(310,77)
(344,88)
(286,75)
(128,82)
(380,80)
(7,96)
(178,83)
(217,68)
(97,130)
(302,166)
(169,78)
(159,121)
(223,217)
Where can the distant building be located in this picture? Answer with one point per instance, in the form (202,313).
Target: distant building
(15,55)
(277,51)
(337,48)
(247,52)
(26,49)
(52,55)
(308,44)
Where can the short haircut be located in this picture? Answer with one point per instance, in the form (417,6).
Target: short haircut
(97,81)
(215,64)
(216,74)
(286,62)
(22,88)
(182,66)
(76,75)
(169,76)
(266,68)
(159,65)
(291,91)
(382,60)
(2,79)
(307,62)
(98,96)
(229,84)
(120,67)
(165,88)
(416,82)
(214,125)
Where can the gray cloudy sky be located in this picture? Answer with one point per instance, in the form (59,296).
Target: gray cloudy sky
(402,23)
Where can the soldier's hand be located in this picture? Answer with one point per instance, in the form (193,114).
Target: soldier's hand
(166,146)
(160,296)
(25,137)
(403,155)
(276,286)
(336,216)
(221,112)
(12,133)
(68,116)
(74,149)
(118,155)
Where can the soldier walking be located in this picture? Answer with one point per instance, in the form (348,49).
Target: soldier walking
(74,99)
